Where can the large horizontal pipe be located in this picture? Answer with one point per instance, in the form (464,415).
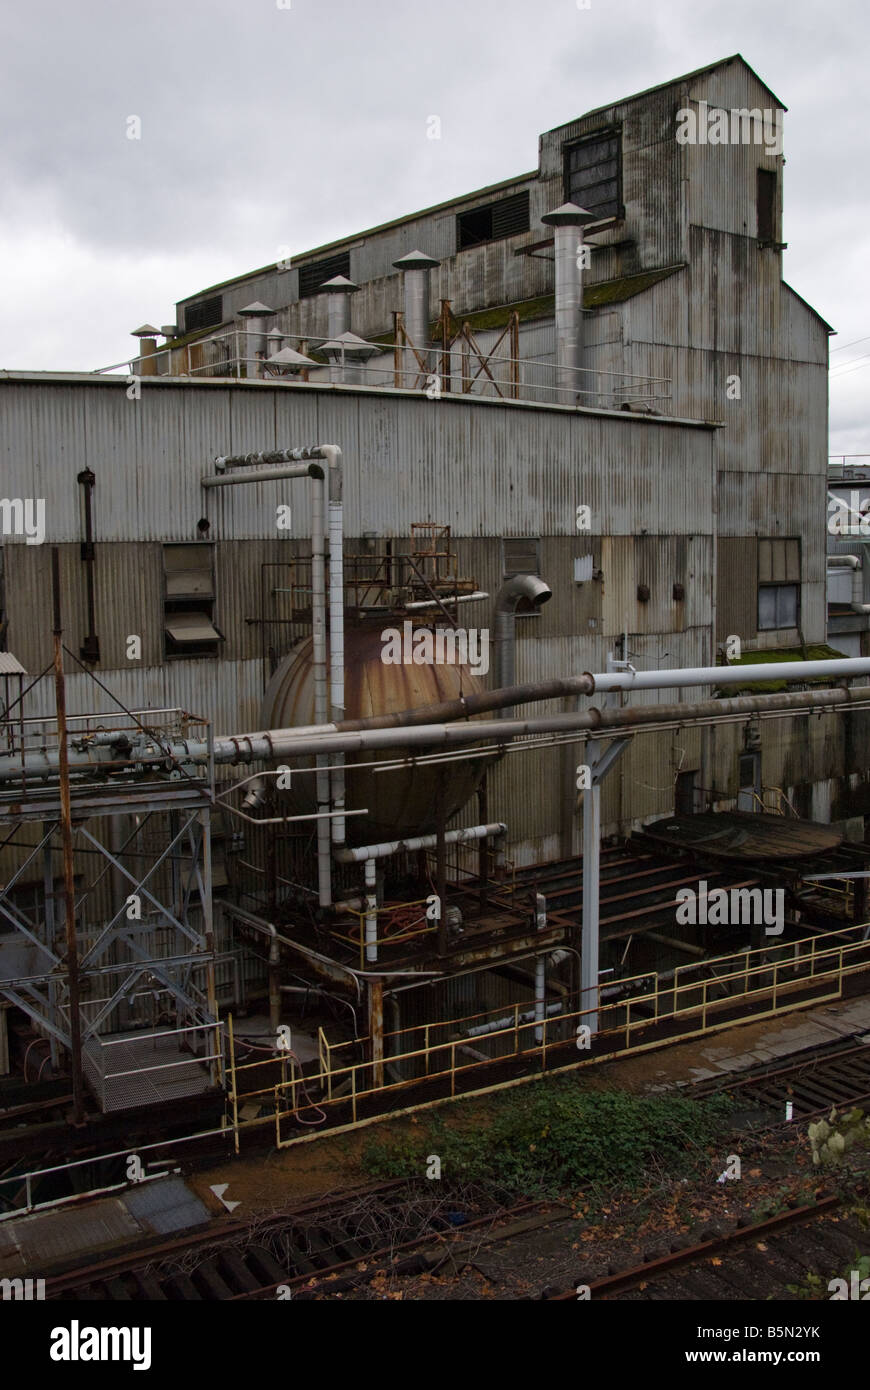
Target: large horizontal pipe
(567,686)
(277,744)
(265,475)
(389,847)
(285,743)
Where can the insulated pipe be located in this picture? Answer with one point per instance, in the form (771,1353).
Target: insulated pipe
(366,853)
(853,563)
(528,586)
(357,736)
(278,744)
(371,878)
(567,223)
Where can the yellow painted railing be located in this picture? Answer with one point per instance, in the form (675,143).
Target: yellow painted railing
(696,995)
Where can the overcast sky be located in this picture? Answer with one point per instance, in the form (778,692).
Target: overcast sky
(268,124)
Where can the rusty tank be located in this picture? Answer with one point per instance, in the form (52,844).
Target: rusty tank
(400,803)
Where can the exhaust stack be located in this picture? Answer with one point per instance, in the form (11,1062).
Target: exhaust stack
(568,222)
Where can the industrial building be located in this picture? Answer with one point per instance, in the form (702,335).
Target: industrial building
(577,421)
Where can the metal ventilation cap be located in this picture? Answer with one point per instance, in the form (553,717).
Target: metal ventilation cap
(568,215)
(351,346)
(339,284)
(169,330)
(288,357)
(146,331)
(416,260)
(255,310)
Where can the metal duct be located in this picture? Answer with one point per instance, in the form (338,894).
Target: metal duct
(853,563)
(568,222)
(527,586)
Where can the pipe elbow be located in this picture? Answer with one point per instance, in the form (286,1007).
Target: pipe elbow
(519,586)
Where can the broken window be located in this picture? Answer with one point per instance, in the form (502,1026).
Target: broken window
(593,174)
(507,217)
(188,600)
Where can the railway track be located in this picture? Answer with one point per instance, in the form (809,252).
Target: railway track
(754,1262)
(836,1074)
(336,1245)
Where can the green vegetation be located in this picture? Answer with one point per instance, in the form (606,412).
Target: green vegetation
(550,1136)
(818,651)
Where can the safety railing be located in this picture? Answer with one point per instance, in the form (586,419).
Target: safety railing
(695,997)
(465,368)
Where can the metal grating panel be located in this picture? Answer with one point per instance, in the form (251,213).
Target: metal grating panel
(166,1205)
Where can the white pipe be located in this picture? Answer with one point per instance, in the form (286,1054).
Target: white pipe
(365,853)
(853,563)
(371,878)
(318,623)
(445,602)
(731,675)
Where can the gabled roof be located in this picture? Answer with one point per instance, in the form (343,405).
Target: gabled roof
(673,82)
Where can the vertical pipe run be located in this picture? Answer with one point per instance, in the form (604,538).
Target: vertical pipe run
(376,1029)
(441,860)
(591,867)
(336,628)
(371,879)
(318,624)
(72,954)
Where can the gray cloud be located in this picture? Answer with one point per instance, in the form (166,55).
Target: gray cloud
(265,126)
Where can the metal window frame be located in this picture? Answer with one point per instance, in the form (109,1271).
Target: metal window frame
(569,145)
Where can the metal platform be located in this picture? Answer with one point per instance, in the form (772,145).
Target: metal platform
(128,1070)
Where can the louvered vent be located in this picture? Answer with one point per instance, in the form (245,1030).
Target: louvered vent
(311,277)
(206,314)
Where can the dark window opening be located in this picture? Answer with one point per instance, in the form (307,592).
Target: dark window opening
(593,174)
(766,205)
(311,277)
(508,217)
(208,313)
(686,793)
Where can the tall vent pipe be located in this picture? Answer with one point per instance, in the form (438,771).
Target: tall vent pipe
(520,586)
(568,222)
(254,338)
(415,268)
(339,289)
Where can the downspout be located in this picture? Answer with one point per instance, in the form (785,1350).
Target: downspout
(528,586)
